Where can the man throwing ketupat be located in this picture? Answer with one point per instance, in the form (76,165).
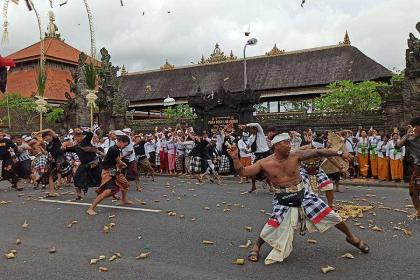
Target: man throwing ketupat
(294,204)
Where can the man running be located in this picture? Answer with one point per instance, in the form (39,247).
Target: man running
(294,204)
(6,163)
(112,180)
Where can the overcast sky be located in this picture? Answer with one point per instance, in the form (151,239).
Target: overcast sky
(379,28)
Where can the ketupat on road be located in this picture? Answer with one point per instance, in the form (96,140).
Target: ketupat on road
(197,235)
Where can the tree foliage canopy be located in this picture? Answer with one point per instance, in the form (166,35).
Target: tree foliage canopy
(23,114)
(179,111)
(346,96)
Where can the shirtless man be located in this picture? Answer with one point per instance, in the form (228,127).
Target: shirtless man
(294,203)
(412,142)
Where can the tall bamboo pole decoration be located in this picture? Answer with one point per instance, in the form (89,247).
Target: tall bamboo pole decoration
(92,30)
(4,41)
(91,96)
(8,112)
(41,103)
(5,37)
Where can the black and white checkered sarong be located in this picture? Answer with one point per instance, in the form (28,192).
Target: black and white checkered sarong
(195,164)
(224,166)
(41,162)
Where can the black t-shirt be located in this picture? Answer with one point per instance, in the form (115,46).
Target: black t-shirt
(54,148)
(139,148)
(81,149)
(199,149)
(111,156)
(5,145)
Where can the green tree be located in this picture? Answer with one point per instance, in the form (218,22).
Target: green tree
(23,114)
(179,111)
(22,111)
(347,97)
(54,115)
(261,108)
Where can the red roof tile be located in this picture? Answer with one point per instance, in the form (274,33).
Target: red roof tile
(24,83)
(55,49)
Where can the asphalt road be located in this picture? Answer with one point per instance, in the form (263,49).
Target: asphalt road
(175,242)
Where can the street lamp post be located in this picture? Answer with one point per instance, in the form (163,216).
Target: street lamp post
(250,42)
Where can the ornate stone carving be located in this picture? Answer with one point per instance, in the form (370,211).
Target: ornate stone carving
(402,98)
(167,66)
(223,103)
(123,71)
(346,41)
(217,56)
(111,102)
(275,51)
(52,27)
(413,55)
(76,113)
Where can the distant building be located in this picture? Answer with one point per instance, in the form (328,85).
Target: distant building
(61,59)
(287,81)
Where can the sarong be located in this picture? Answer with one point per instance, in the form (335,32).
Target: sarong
(88,175)
(187,164)
(143,165)
(179,163)
(322,181)
(157,160)
(314,214)
(40,166)
(363,164)
(23,168)
(195,164)
(374,165)
(152,159)
(224,166)
(132,173)
(114,183)
(8,172)
(383,169)
(397,169)
(414,186)
(163,157)
(171,162)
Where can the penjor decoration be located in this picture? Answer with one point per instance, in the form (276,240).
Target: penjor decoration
(41,108)
(91,98)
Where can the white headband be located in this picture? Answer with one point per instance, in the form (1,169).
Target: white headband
(280,137)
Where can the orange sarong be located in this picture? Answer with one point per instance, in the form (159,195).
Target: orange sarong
(363,164)
(383,169)
(120,182)
(374,165)
(397,169)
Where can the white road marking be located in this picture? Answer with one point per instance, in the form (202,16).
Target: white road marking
(101,205)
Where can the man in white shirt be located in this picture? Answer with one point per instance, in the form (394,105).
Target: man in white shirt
(258,143)
(244,153)
(150,149)
(129,157)
(110,141)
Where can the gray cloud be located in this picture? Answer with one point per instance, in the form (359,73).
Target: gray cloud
(377,28)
